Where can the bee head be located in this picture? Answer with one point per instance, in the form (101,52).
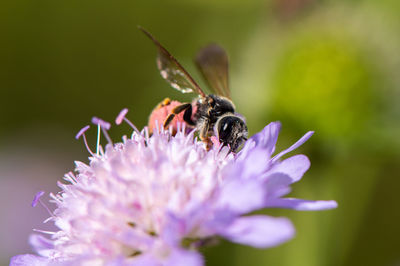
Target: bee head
(231,131)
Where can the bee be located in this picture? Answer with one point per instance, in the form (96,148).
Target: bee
(210,114)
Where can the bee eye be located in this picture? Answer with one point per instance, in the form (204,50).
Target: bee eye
(225,127)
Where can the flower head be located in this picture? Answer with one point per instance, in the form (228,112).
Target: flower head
(155,200)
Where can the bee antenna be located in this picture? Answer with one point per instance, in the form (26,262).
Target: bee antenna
(140,27)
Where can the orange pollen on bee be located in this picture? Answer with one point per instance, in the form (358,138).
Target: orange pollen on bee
(160,113)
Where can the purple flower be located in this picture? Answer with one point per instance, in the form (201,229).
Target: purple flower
(155,200)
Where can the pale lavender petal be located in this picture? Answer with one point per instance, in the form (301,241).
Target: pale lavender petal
(294,146)
(294,167)
(256,163)
(302,205)
(253,165)
(42,245)
(176,257)
(28,260)
(277,185)
(145,259)
(259,231)
(268,137)
(181,257)
(37,198)
(265,139)
(242,195)
(175,228)
(248,146)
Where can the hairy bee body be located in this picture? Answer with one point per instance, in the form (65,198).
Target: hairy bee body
(215,116)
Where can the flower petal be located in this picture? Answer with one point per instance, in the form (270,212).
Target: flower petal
(268,137)
(259,231)
(42,245)
(141,260)
(256,163)
(28,259)
(264,139)
(294,167)
(181,257)
(176,257)
(294,146)
(302,205)
(277,185)
(242,195)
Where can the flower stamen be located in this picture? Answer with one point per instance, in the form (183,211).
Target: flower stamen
(82,133)
(37,200)
(121,117)
(103,126)
(44,232)
(70,177)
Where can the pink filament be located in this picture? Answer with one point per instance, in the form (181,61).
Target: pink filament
(36,199)
(82,133)
(121,117)
(107,136)
(104,127)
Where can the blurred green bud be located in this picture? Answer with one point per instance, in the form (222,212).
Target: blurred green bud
(325,83)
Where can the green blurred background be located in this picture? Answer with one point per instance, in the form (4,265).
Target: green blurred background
(328,66)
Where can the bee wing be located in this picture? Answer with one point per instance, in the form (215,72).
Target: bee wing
(213,64)
(172,71)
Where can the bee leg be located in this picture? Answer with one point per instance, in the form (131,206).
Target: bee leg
(204,135)
(187,116)
(177,110)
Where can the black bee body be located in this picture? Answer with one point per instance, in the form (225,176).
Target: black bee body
(215,115)
(212,107)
